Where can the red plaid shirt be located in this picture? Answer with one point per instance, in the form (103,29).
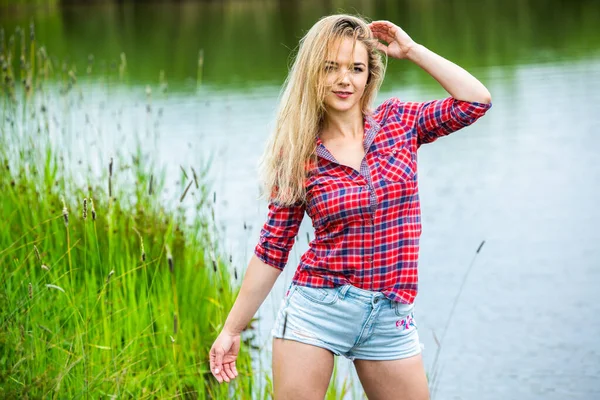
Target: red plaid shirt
(368,223)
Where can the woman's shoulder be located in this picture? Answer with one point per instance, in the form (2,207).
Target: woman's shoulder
(396,109)
(388,108)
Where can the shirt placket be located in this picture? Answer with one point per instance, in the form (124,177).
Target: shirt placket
(370,229)
(371,129)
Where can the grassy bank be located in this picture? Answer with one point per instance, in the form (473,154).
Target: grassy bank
(105,288)
(106,295)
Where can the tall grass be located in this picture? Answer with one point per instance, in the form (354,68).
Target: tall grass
(104,290)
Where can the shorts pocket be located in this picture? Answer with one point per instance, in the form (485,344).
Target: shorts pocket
(325,296)
(397,164)
(403,309)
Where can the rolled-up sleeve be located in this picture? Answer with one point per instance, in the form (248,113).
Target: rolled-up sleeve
(437,118)
(278,234)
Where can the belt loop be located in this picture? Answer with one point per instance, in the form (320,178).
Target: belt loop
(344,289)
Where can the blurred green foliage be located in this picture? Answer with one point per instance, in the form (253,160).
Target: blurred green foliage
(247,43)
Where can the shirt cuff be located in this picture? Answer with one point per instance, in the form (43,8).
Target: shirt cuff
(468,112)
(269,259)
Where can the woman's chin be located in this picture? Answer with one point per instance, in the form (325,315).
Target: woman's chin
(339,108)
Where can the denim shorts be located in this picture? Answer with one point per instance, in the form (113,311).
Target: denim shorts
(348,321)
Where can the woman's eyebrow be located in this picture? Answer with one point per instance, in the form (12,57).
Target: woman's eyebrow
(335,63)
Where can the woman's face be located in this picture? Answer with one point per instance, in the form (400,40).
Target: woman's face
(346,74)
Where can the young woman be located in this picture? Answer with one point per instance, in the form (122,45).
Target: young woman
(353,170)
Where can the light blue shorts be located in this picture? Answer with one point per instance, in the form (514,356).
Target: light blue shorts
(348,321)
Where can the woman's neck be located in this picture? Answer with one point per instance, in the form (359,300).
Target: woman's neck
(347,125)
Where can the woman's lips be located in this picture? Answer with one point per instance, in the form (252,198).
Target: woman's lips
(343,95)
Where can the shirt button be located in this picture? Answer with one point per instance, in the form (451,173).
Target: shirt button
(368,259)
(394,152)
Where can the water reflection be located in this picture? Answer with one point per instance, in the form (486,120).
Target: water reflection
(248,43)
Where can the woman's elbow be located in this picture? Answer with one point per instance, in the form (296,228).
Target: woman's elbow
(485,96)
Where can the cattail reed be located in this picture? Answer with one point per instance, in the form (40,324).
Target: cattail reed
(235,273)
(111,273)
(195,177)
(175,324)
(480,246)
(169,258)
(93,209)
(30,290)
(46,329)
(184,173)
(212,259)
(110,171)
(37,253)
(185,191)
(85,208)
(141,244)
(65,212)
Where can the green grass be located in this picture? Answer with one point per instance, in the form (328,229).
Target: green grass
(125,300)
(104,290)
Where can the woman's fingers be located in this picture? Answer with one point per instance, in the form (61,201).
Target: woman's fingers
(382,27)
(224,377)
(382,47)
(383,34)
(228,371)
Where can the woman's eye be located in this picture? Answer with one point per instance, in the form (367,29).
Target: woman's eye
(328,68)
(358,69)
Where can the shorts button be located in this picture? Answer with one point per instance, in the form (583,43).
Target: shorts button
(376,301)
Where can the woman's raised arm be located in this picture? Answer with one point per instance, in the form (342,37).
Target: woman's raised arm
(459,83)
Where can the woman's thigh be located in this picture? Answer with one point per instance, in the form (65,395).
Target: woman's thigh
(300,371)
(402,379)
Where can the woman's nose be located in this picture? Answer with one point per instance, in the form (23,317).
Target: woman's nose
(344,77)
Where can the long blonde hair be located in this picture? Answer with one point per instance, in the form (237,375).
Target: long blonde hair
(290,153)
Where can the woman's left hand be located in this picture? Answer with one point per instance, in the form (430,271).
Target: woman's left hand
(398,41)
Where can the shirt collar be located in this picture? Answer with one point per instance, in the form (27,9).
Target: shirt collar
(371,127)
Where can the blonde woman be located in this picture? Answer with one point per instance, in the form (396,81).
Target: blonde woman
(353,170)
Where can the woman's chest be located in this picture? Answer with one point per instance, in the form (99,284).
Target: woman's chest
(348,153)
(352,187)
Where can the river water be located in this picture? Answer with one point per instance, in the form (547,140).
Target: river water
(525,178)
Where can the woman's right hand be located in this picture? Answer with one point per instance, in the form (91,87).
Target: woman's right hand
(223,354)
